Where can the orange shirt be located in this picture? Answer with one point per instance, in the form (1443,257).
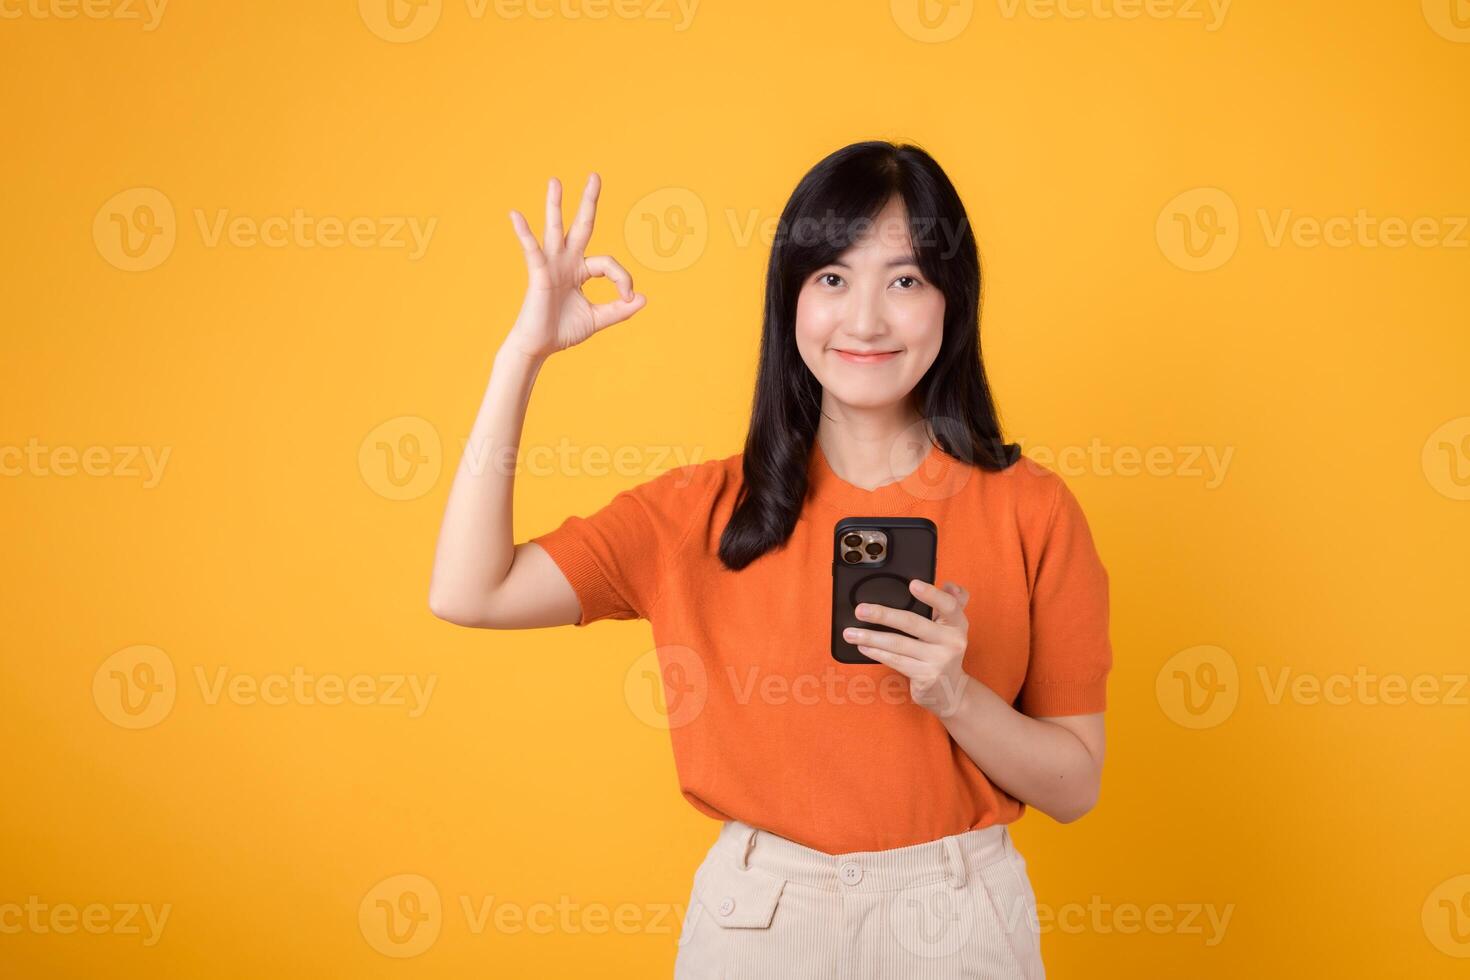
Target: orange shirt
(769,729)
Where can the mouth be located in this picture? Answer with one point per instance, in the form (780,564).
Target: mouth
(865,357)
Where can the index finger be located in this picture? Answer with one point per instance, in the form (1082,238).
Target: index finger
(945,604)
(910,622)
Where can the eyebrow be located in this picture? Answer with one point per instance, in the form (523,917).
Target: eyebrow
(904,260)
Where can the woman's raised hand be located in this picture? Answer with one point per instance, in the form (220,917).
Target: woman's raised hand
(555,315)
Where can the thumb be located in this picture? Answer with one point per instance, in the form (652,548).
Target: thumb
(606,314)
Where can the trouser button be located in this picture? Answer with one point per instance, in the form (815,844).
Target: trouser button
(851,872)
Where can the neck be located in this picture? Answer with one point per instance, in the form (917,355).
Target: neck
(869,447)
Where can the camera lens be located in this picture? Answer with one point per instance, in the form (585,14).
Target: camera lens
(874,548)
(852,557)
(853,540)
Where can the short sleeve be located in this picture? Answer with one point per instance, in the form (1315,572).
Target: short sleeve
(615,558)
(1071,653)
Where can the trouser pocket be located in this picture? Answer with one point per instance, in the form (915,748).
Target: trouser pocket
(729,929)
(1014,930)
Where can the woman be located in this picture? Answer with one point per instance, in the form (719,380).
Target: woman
(863,807)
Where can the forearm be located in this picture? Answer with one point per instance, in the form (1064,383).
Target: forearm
(1042,764)
(476,543)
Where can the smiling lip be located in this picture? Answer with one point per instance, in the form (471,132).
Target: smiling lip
(858,357)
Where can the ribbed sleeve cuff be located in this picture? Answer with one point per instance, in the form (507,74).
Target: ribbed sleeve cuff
(576,561)
(1043,699)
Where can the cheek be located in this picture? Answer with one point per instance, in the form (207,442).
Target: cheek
(921,327)
(815,320)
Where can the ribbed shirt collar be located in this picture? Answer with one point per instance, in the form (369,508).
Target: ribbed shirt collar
(937,477)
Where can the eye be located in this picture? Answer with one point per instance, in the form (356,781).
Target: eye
(828,275)
(912,279)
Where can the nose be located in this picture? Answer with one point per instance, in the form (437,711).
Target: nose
(866,319)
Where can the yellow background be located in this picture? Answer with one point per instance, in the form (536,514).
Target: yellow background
(1335,542)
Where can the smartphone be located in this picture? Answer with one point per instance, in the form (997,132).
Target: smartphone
(873,560)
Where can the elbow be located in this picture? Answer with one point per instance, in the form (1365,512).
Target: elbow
(455,609)
(1077,809)
(1081,805)
(1070,815)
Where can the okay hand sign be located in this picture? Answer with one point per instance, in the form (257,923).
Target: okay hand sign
(555,315)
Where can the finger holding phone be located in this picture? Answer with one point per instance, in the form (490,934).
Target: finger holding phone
(929,652)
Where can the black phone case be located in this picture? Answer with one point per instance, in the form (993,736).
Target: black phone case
(913,543)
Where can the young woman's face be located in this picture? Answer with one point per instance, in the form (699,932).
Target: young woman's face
(869,324)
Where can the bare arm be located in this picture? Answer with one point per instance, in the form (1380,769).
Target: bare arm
(1053,764)
(481,577)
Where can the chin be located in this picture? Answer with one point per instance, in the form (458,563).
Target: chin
(866,396)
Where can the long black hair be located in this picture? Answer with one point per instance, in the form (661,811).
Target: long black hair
(832,206)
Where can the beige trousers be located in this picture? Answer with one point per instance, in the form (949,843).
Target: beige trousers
(766,907)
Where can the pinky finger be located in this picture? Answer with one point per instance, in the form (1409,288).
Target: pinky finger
(606,314)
